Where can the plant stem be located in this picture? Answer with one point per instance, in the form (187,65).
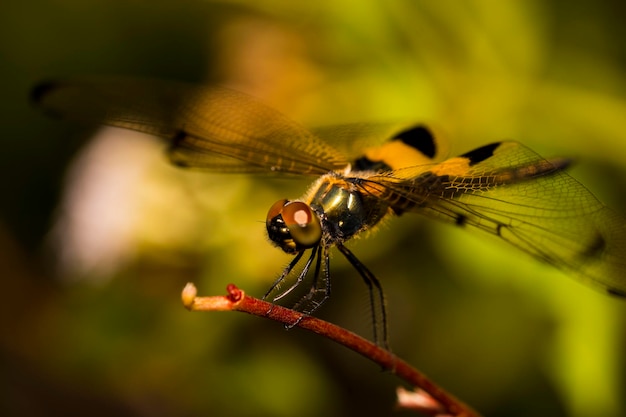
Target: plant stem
(444,405)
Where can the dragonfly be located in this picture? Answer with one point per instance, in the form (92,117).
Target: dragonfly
(503,189)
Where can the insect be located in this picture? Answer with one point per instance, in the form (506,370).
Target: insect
(503,188)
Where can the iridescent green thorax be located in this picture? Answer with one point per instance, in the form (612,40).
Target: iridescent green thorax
(345,210)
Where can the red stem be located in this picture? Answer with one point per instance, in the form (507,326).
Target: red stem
(237,300)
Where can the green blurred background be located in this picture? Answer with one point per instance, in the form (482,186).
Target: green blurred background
(98,234)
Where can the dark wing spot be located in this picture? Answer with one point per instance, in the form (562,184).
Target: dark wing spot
(366,164)
(478,155)
(40,90)
(39,93)
(596,248)
(180,164)
(177,140)
(419,138)
(180,136)
(460,220)
(616,292)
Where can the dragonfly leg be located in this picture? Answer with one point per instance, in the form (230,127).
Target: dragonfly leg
(377,298)
(301,276)
(320,288)
(284,275)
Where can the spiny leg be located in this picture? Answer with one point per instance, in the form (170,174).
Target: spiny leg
(317,294)
(372,283)
(301,276)
(286,272)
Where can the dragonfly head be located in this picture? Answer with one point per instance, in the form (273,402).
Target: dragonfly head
(293,226)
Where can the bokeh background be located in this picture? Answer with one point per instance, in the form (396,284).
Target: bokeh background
(98,234)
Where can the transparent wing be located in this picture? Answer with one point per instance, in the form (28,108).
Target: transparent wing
(510,192)
(213,128)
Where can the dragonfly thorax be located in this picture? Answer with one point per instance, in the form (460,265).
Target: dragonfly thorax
(346,209)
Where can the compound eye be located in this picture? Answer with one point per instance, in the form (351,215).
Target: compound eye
(303,223)
(276,210)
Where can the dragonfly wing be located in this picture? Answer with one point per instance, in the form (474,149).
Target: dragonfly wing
(355,138)
(509,191)
(214,128)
